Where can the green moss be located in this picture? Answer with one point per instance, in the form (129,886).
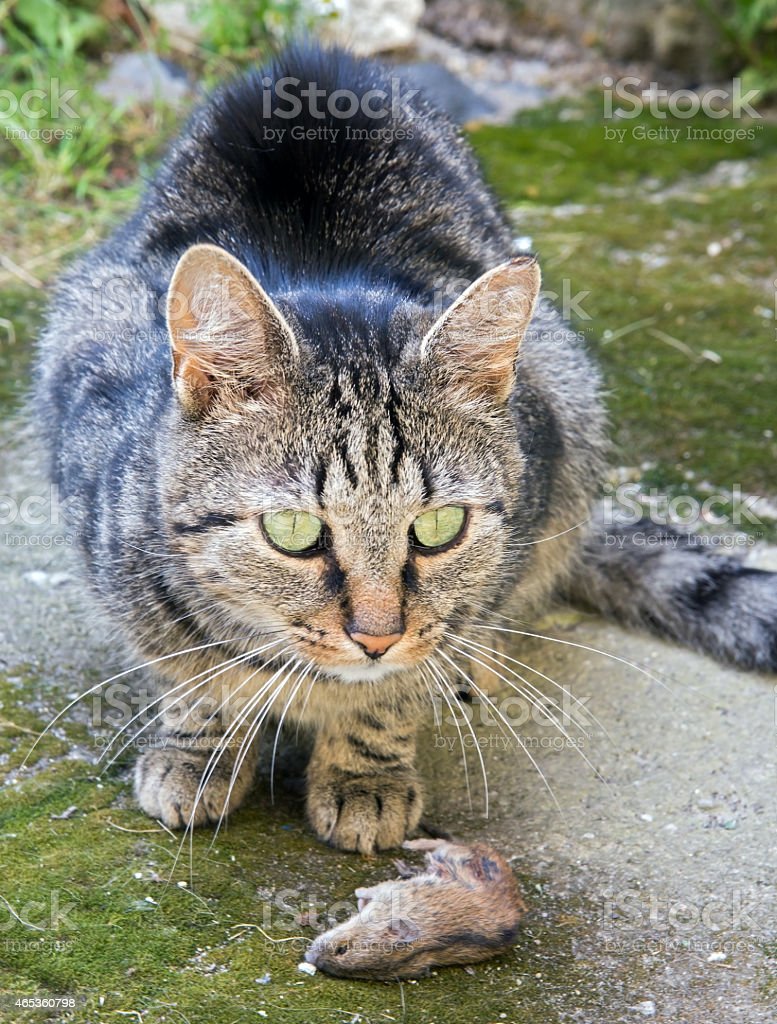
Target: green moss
(137,931)
(676,271)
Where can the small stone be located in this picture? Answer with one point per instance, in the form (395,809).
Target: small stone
(647,1008)
(306,968)
(714,249)
(716,957)
(143,78)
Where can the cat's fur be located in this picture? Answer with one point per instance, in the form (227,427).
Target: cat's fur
(330,378)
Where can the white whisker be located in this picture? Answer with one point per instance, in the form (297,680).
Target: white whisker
(535,704)
(500,717)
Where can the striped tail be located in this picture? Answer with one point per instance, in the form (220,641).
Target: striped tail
(671,584)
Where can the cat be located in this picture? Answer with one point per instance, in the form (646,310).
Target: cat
(316,417)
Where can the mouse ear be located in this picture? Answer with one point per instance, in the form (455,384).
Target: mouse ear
(402,929)
(365,896)
(483,867)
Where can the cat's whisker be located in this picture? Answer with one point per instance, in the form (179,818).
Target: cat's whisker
(209,673)
(430,691)
(441,691)
(444,681)
(553,536)
(301,714)
(584,647)
(305,673)
(217,754)
(251,732)
(121,675)
(535,704)
(499,658)
(500,718)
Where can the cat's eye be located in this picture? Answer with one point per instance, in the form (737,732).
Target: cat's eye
(439,527)
(294,532)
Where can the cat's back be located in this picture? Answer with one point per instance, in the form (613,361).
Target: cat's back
(326,164)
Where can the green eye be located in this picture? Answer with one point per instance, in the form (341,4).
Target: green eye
(292,531)
(439,527)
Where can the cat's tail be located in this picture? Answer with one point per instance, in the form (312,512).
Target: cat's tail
(674,585)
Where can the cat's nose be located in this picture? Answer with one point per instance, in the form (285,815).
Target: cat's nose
(374,646)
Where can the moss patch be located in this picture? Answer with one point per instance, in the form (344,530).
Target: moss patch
(667,246)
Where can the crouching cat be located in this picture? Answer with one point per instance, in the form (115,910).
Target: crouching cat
(320,425)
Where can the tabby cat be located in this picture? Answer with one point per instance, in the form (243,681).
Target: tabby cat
(316,418)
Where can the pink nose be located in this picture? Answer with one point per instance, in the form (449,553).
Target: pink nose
(375,646)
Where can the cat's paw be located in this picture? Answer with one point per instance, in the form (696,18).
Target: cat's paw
(366,813)
(168,786)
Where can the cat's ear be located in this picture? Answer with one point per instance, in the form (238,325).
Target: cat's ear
(228,338)
(474,344)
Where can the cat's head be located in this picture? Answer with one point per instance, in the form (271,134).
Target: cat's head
(343,471)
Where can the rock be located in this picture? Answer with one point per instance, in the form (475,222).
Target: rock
(372,26)
(446,91)
(143,78)
(176,17)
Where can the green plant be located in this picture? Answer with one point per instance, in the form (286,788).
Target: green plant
(237,27)
(751,28)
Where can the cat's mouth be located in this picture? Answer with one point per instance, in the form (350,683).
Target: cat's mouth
(370,673)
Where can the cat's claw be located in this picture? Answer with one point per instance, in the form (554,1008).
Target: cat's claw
(168,787)
(366,813)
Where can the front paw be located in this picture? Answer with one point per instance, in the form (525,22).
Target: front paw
(168,786)
(364,813)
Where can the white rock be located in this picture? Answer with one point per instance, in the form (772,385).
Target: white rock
(370,26)
(177,18)
(306,968)
(142,78)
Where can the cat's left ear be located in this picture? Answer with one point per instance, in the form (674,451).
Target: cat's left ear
(228,338)
(474,344)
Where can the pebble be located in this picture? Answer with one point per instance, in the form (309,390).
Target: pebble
(306,968)
(647,1008)
(143,78)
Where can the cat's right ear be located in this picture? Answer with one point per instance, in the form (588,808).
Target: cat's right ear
(229,340)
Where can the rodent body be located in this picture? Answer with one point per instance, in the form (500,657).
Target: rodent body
(462,907)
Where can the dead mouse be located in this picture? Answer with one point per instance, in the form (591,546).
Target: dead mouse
(464,905)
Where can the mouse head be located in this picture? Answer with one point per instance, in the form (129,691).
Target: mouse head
(384,940)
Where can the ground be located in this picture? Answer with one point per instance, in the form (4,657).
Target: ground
(651,878)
